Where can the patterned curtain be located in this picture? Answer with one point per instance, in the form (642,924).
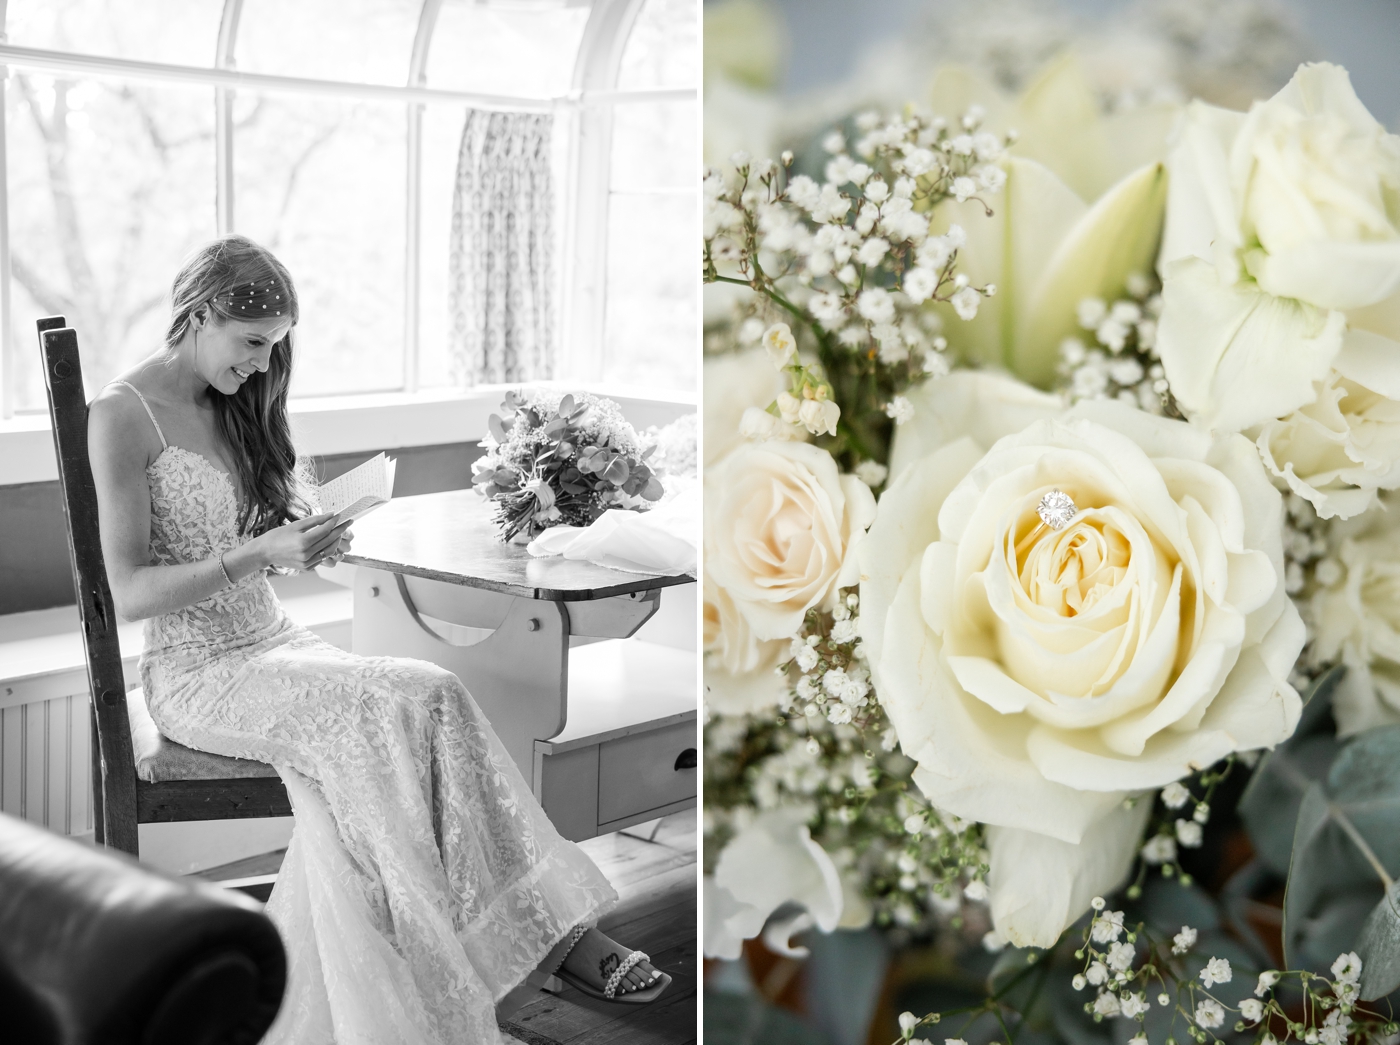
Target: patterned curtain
(500,272)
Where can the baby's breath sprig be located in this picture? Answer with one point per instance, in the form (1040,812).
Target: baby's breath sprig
(1116,358)
(1179,823)
(851,262)
(1330,1012)
(833,751)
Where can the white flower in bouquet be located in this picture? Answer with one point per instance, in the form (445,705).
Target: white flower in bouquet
(1278,222)
(780,527)
(771,862)
(1042,677)
(740,668)
(734,382)
(1356,620)
(1344,446)
(1053,250)
(977,403)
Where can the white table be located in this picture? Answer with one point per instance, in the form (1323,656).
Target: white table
(602,724)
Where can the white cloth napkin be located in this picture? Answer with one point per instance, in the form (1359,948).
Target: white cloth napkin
(663,540)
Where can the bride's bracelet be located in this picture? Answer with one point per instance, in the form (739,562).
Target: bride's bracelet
(224,570)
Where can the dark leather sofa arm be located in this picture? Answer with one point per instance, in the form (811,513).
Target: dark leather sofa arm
(95,948)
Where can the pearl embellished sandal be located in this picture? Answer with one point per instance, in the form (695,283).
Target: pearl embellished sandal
(643,996)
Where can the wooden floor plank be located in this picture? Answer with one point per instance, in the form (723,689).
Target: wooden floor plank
(572,1018)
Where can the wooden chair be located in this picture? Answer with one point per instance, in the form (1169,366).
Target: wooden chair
(156,780)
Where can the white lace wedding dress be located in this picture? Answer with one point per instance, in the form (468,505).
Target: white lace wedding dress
(423,880)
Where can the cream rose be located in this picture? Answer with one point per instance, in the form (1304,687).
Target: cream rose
(780,527)
(1343,447)
(1356,619)
(1040,678)
(740,675)
(734,382)
(1277,221)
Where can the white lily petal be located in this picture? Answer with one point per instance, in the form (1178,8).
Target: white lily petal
(1040,885)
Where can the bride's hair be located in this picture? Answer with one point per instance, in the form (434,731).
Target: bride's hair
(232,277)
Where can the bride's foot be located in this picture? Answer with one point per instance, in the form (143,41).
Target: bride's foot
(595,958)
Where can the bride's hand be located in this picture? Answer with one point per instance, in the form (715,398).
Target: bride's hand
(337,550)
(301,544)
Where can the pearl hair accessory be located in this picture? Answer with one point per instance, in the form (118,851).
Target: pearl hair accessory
(260,297)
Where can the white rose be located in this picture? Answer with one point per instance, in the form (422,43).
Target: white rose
(977,403)
(1317,178)
(1356,620)
(1039,678)
(1300,193)
(734,382)
(780,527)
(771,862)
(1276,222)
(740,675)
(1344,446)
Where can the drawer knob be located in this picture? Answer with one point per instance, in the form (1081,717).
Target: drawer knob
(686,759)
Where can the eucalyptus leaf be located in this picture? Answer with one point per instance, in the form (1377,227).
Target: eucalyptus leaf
(1240,907)
(1269,805)
(1347,824)
(1378,946)
(1166,905)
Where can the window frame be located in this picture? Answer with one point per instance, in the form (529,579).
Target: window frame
(586,111)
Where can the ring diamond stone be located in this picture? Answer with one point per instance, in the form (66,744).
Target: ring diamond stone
(1056,509)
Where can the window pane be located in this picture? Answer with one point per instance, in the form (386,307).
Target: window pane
(653,145)
(517,51)
(184,32)
(111,185)
(321,184)
(442,138)
(652,309)
(366,41)
(664,48)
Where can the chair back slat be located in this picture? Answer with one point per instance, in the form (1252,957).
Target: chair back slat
(115,787)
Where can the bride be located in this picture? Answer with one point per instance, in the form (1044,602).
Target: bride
(424,892)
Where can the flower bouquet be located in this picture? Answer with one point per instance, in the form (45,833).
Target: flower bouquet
(561,460)
(1054,628)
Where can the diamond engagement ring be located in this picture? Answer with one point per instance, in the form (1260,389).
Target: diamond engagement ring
(1056,510)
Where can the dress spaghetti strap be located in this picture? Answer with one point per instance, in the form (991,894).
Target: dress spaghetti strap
(147,405)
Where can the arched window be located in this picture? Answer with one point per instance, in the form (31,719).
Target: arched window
(651,306)
(329,130)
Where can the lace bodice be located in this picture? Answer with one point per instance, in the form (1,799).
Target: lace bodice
(194,516)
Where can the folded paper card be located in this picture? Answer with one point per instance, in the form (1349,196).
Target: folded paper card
(360,490)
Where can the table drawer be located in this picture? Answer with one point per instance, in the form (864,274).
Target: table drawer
(646,770)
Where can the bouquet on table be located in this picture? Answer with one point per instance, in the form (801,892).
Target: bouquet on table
(1049,540)
(555,459)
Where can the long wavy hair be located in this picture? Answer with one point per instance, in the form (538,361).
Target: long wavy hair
(225,276)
